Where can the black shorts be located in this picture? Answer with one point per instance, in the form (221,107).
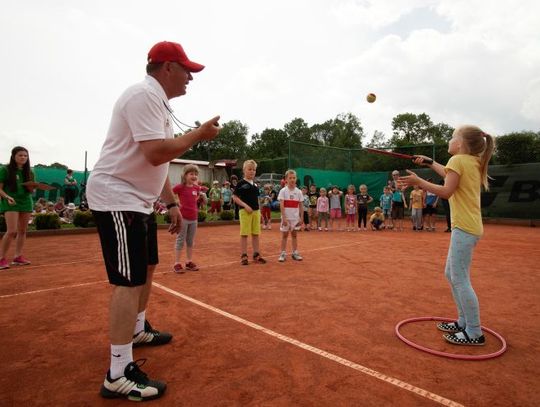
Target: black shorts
(428,210)
(129,245)
(397,210)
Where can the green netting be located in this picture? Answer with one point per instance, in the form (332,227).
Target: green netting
(304,155)
(275,165)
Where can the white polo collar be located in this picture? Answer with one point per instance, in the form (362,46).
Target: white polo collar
(154,84)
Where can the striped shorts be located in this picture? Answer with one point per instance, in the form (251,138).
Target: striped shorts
(129,245)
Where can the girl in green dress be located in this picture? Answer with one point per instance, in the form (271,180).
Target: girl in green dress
(16,204)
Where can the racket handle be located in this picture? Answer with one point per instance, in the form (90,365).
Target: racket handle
(428,161)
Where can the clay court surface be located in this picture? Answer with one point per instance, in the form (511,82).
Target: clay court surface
(315,333)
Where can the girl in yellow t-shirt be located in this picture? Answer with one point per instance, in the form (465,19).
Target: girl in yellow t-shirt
(464,175)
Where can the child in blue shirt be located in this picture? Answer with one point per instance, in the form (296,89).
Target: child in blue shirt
(385,202)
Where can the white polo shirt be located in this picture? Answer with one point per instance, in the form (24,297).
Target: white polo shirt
(123,179)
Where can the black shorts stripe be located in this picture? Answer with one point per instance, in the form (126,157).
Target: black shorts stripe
(129,245)
(121,238)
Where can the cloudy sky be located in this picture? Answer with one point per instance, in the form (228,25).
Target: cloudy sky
(64,63)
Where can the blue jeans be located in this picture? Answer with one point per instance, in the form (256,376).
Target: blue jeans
(457,272)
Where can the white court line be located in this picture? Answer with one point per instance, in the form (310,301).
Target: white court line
(44,290)
(155,273)
(29,267)
(396,382)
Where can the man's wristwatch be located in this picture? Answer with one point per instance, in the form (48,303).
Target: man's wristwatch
(172,205)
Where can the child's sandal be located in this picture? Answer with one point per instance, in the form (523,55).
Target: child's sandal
(258,259)
(451,327)
(465,340)
(244,260)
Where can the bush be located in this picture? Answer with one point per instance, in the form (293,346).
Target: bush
(3,226)
(226,215)
(202,216)
(47,221)
(517,148)
(83,219)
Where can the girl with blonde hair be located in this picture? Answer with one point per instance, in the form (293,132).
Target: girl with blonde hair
(464,175)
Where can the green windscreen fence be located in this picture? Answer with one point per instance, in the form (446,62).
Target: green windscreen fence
(55,177)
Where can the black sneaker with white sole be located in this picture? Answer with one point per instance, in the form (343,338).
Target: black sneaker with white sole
(150,337)
(462,338)
(134,385)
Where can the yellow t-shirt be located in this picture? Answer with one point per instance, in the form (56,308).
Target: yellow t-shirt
(416,199)
(465,210)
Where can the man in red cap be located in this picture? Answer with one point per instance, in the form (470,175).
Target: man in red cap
(129,176)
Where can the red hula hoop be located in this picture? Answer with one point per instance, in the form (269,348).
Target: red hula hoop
(446,354)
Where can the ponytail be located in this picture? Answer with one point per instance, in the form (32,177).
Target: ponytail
(481,145)
(484,159)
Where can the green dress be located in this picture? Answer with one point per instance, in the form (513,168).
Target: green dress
(22,197)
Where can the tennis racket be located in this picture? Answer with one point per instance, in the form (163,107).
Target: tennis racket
(397,155)
(38,185)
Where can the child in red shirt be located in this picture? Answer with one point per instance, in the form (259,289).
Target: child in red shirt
(188,194)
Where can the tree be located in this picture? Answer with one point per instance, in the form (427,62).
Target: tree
(298,130)
(322,133)
(518,147)
(53,165)
(378,140)
(231,143)
(345,131)
(440,133)
(271,143)
(409,128)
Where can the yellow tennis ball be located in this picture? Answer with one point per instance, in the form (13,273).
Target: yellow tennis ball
(371,97)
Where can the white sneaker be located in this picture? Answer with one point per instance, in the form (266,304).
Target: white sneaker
(296,256)
(134,385)
(269,226)
(282,257)
(264,226)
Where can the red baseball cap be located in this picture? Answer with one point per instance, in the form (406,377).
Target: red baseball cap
(166,51)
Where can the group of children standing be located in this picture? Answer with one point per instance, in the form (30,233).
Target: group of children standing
(323,209)
(305,209)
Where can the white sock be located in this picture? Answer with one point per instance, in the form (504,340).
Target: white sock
(139,325)
(121,355)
